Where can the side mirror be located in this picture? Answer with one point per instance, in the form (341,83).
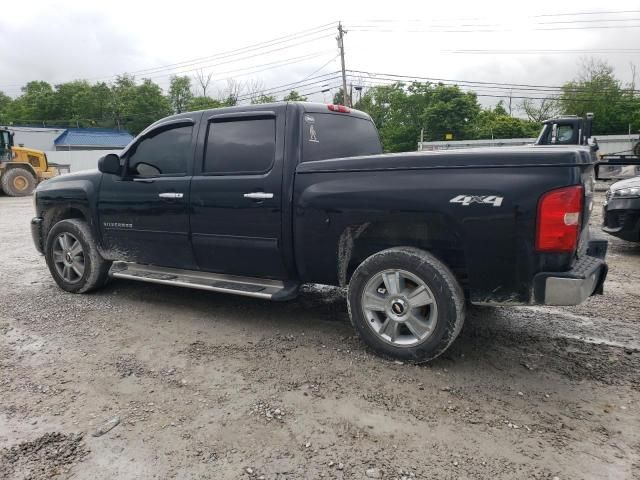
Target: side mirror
(110,164)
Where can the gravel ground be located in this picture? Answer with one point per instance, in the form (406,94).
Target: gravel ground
(146,381)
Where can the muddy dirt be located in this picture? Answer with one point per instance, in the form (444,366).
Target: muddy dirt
(206,385)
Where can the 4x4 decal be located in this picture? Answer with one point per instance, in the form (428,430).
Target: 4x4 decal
(467,200)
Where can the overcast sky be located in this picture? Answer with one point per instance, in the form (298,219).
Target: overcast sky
(64,40)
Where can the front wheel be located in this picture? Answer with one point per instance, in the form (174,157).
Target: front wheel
(406,304)
(73,258)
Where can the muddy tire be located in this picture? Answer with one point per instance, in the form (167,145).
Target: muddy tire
(18,182)
(406,304)
(73,258)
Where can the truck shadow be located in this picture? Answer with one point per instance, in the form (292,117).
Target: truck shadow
(493,339)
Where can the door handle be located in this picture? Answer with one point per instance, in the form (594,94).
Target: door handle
(171,195)
(258,195)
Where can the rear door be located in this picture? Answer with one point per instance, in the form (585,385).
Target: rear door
(236,194)
(144,214)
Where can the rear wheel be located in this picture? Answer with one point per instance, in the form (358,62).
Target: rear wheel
(18,182)
(73,258)
(406,304)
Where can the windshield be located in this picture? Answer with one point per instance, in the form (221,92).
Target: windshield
(543,134)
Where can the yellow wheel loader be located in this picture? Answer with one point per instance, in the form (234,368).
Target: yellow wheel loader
(21,169)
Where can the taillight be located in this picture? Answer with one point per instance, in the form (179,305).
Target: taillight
(338,108)
(559,215)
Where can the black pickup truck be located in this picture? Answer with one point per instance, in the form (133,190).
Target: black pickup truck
(256,200)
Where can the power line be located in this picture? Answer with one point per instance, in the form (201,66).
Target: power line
(288,87)
(458,19)
(478,82)
(248,57)
(222,55)
(319,69)
(606,51)
(270,66)
(324,90)
(277,63)
(506,88)
(369,30)
(613,12)
(242,50)
(456,23)
(589,99)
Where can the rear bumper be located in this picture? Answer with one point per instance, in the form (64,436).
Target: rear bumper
(36,233)
(573,287)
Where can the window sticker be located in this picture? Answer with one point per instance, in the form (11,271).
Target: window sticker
(313,137)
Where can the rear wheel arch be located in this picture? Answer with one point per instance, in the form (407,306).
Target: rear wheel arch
(359,241)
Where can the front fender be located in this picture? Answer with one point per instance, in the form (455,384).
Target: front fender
(62,198)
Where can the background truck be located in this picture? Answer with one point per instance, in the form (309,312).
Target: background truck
(574,130)
(21,169)
(256,200)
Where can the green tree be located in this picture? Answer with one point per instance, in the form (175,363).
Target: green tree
(203,103)
(122,93)
(35,105)
(497,123)
(180,93)
(499,109)
(100,114)
(5,107)
(401,112)
(74,102)
(263,99)
(395,114)
(294,96)
(504,126)
(450,110)
(598,91)
(146,105)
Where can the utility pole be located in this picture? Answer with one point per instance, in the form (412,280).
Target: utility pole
(340,39)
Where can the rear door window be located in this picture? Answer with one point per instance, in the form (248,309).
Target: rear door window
(244,146)
(328,135)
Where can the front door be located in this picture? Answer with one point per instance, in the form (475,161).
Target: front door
(144,214)
(236,195)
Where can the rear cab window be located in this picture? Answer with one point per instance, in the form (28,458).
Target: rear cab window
(337,135)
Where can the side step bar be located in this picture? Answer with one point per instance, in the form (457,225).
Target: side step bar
(214,282)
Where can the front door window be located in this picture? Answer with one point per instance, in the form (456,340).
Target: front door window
(165,153)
